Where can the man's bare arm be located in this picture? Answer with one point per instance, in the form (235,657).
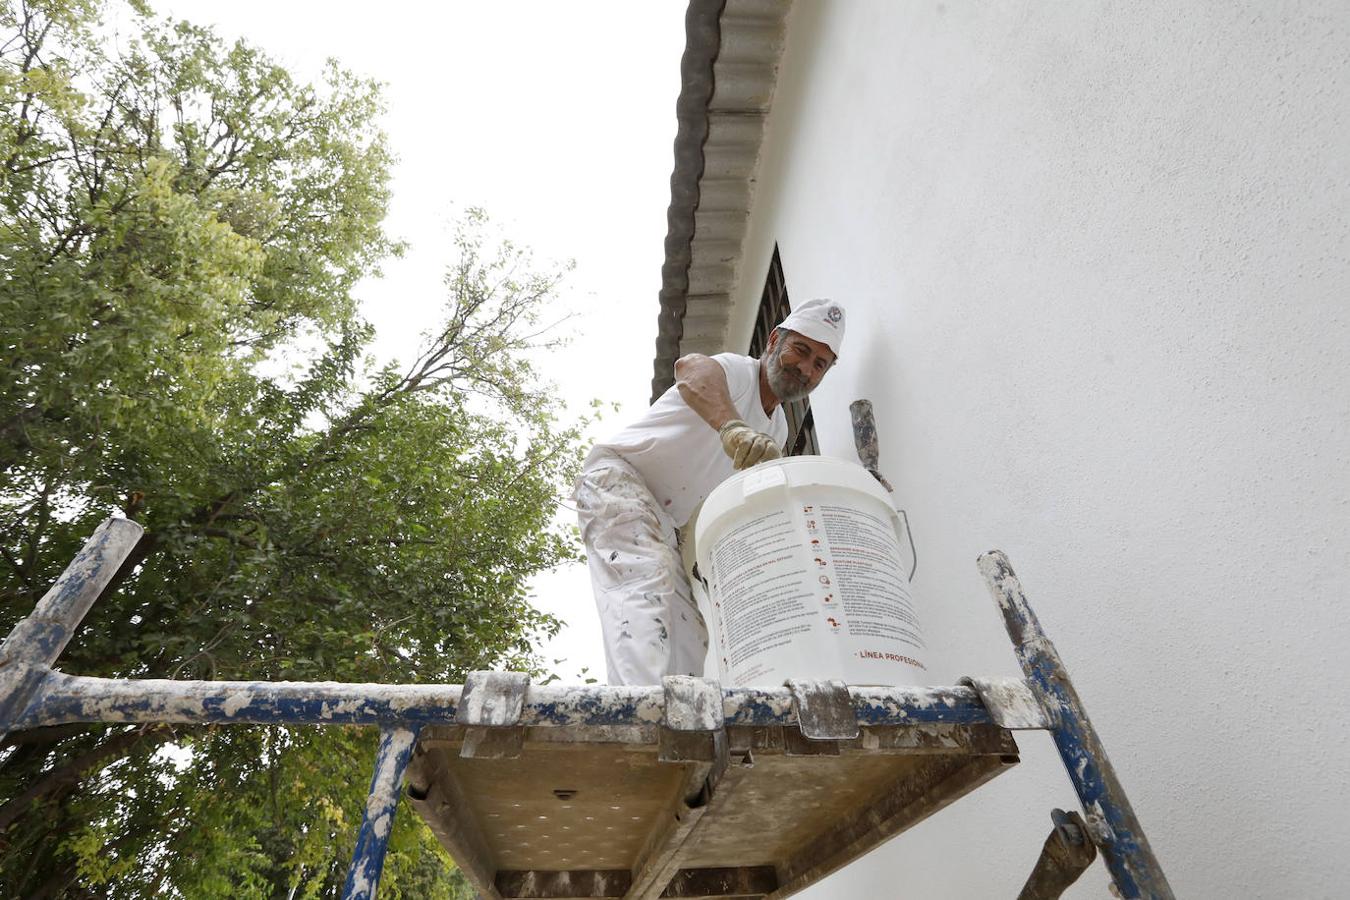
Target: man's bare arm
(703,385)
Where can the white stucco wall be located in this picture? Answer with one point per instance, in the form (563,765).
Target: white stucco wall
(1097,265)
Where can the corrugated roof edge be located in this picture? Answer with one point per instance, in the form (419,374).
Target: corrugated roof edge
(703,41)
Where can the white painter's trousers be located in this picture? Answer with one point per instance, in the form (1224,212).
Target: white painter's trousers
(650,622)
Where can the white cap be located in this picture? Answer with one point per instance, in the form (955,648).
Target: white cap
(820,320)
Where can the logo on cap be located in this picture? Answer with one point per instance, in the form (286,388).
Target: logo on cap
(834,314)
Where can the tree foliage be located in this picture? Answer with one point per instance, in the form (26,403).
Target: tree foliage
(182,224)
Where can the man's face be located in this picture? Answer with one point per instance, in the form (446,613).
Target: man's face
(795,364)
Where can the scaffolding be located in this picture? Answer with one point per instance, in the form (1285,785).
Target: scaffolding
(684,789)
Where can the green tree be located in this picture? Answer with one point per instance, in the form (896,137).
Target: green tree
(181,227)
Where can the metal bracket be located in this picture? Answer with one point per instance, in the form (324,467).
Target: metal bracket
(20,681)
(824,710)
(691,719)
(1010,702)
(491,705)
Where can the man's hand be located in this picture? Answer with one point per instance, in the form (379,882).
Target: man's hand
(745,445)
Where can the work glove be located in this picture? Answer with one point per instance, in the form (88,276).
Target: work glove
(745,445)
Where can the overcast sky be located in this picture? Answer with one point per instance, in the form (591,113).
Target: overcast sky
(558,119)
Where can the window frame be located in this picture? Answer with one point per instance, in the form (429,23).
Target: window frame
(774,307)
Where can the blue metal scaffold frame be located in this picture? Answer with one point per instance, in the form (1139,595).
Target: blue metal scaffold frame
(33,694)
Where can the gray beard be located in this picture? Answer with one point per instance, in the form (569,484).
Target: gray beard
(785,386)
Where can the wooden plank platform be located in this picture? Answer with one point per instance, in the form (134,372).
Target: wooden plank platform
(642,811)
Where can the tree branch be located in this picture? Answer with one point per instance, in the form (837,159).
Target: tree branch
(49,734)
(69,774)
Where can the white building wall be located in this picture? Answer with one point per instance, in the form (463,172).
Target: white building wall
(1097,267)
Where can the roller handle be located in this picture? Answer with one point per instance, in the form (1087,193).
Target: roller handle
(865,439)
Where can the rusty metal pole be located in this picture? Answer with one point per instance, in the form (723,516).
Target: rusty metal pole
(37,640)
(1111,821)
(1066,854)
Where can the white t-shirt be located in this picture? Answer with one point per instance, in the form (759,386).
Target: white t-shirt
(678,454)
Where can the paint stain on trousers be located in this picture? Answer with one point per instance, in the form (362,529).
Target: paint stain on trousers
(650,622)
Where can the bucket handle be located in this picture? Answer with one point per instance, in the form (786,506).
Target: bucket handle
(913,552)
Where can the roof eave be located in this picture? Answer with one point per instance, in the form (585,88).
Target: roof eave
(728,73)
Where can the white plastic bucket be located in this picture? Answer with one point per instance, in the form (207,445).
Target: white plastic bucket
(800,558)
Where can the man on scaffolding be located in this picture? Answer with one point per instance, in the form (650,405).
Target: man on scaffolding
(724,413)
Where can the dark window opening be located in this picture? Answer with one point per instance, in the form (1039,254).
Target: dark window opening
(773,308)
